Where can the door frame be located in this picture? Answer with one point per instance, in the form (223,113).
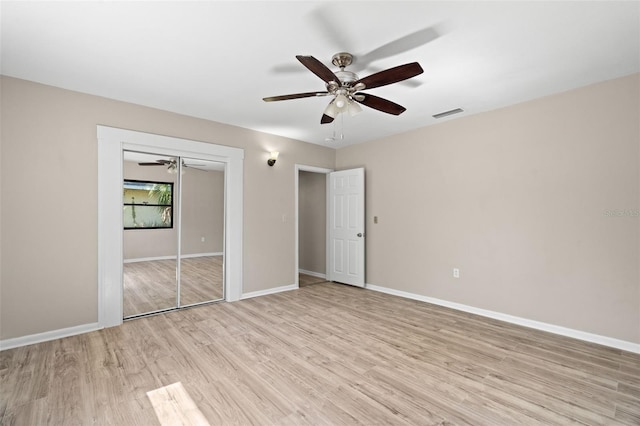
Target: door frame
(111,144)
(304,168)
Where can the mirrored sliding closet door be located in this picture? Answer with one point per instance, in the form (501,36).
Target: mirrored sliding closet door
(173,241)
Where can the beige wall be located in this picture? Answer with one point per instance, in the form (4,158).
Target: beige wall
(202,211)
(534,203)
(49,239)
(519,199)
(312,221)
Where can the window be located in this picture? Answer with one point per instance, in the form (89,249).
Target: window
(147,205)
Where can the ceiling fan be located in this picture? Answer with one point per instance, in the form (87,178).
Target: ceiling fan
(172,165)
(346,86)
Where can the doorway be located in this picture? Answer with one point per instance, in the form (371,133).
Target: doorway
(173,236)
(344,222)
(311,224)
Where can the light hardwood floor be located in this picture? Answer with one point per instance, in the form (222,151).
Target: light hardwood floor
(323,354)
(150,286)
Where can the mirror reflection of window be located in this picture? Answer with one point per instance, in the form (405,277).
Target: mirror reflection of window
(147,205)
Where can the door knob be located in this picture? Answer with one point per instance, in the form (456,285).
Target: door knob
(359,234)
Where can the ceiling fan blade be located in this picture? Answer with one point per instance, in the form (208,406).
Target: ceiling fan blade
(380,104)
(161,162)
(318,68)
(392,75)
(401,45)
(326,119)
(294,96)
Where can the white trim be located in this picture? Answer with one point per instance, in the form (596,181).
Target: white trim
(184,256)
(269,291)
(31,339)
(551,328)
(312,169)
(149,259)
(178,209)
(189,256)
(110,289)
(303,168)
(111,144)
(313,274)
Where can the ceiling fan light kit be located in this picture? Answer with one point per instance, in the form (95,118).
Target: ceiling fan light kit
(345,86)
(173,168)
(353,108)
(332,110)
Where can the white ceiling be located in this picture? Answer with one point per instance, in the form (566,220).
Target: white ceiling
(217,60)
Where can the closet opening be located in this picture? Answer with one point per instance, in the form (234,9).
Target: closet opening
(179,228)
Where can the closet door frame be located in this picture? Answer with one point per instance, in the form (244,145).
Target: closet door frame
(111,144)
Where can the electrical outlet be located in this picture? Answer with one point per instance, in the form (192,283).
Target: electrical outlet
(375,219)
(202,239)
(456,273)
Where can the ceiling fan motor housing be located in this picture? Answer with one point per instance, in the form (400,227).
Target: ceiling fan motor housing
(342,59)
(346,77)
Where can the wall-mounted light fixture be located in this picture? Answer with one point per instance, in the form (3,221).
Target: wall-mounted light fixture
(274,156)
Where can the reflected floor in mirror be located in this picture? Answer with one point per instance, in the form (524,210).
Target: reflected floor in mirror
(150,285)
(306,280)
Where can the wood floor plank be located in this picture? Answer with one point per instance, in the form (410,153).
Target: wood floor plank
(599,399)
(173,404)
(35,412)
(499,407)
(324,354)
(550,398)
(628,412)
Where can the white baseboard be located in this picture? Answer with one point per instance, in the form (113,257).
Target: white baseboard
(48,335)
(148,259)
(189,256)
(313,274)
(551,328)
(184,256)
(268,291)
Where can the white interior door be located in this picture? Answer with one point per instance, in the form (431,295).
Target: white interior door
(346,227)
